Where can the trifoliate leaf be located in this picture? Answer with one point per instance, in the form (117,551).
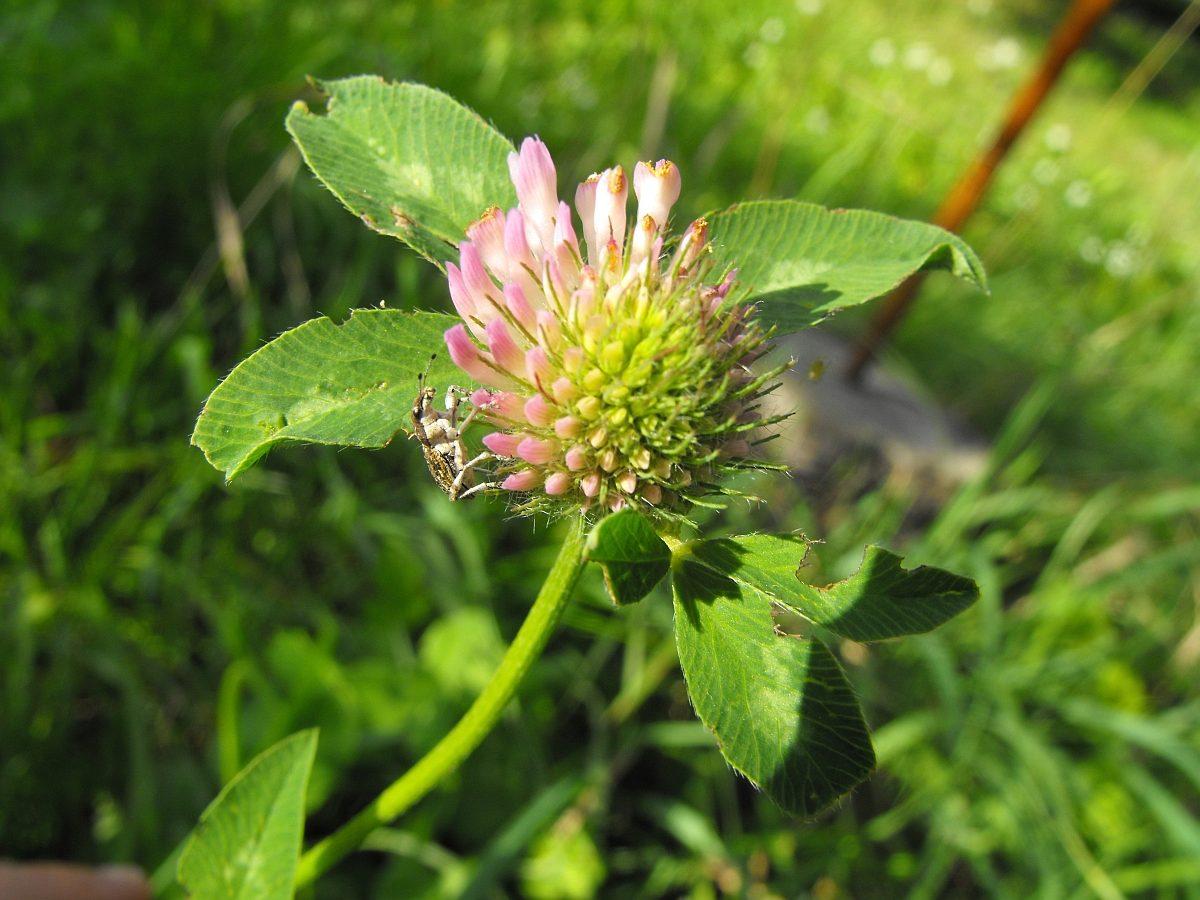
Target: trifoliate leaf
(409,160)
(805,262)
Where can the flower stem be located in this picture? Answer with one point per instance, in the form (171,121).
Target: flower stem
(472,728)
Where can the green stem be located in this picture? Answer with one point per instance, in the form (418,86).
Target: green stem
(471,728)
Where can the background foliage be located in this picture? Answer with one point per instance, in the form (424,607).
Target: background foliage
(158,629)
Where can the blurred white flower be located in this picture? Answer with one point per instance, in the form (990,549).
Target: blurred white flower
(883,52)
(1078,194)
(1058,138)
(1027,196)
(817,121)
(772,30)
(918,57)
(808,7)
(1045,172)
(979,7)
(1092,250)
(1004,54)
(940,71)
(755,56)
(1120,261)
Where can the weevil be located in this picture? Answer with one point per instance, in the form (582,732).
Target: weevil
(441,437)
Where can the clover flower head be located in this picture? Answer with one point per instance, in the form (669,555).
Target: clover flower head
(614,374)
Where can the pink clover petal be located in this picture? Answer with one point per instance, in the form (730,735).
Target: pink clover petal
(502,444)
(585,205)
(487,234)
(526,480)
(577,458)
(467,357)
(538,412)
(507,405)
(533,175)
(567,427)
(548,330)
(481,398)
(643,240)
(516,245)
(504,349)
(536,452)
(538,368)
(657,189)
(478,282)
(564,229)
(463,303)
(612,191)
(558,483)
(519,306)
(590,484)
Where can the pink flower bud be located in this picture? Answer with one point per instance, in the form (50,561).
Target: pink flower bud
(502,444)
(519,306)
(533,175)
(612,191)
(538,368)
(691,245)
(577,458)
(507,354)
(558,483)
(525,480)
(487,234)
(657,189)
(590,484)
(628,482)
(585,205)
(652,494)
(567,427)
(539,412)
(564,390)
(536,452)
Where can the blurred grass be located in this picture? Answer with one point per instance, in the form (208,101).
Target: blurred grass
(158,627)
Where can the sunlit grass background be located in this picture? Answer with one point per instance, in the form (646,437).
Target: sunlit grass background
(158,628)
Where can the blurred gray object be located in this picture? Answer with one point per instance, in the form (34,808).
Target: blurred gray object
(883,412)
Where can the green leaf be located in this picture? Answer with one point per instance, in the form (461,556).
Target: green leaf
(409,160)
(248,840)
(804,262)
(881,600)
(633,557)
(779,705)
(351,384)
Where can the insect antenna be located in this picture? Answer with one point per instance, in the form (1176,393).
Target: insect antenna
(421,378)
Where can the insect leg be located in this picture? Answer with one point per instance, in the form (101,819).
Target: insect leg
(463,472)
